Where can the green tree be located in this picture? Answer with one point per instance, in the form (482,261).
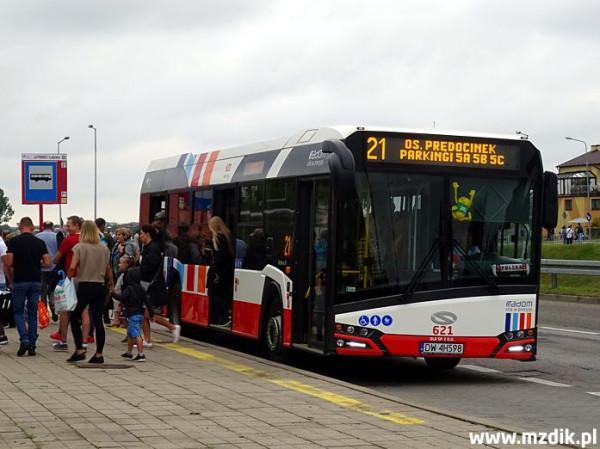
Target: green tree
(6,210)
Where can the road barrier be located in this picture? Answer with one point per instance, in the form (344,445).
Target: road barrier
(577,267)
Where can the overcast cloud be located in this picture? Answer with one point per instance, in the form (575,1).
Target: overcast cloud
(167,77)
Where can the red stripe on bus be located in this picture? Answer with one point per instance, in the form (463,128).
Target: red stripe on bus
(190,278)
(246,318)
(194,309)
(210,165)
(198,169)
(202,278)
(528,321)
(287,327)
(521,321)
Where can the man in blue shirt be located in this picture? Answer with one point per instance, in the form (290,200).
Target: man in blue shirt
(49,276)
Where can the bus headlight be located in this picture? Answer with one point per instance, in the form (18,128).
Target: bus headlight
(350,329)
(516,348)
(340,343)
(521,334)
(363,332)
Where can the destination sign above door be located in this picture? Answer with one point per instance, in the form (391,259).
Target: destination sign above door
(440,150)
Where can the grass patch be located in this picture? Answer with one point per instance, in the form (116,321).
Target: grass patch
(571,285)
(576,251)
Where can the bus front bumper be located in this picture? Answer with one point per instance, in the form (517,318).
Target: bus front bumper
(412,346)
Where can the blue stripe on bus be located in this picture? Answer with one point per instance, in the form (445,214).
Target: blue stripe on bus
(515,321)
(507,322)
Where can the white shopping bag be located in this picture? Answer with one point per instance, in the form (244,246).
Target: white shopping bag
(65,297)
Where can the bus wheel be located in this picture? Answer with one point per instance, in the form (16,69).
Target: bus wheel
(273,331)
(175,303)
(439,363)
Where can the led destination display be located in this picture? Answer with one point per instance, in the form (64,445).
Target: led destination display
(439,151)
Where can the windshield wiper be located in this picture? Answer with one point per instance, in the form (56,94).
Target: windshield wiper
(421,270)
(486,277)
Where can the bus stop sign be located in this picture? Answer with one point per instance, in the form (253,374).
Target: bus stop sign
(44,178)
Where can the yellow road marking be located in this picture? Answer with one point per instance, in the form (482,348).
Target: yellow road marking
(334,398)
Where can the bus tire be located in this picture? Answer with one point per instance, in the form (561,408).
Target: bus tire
(175,303)
(273,330)
(439,363)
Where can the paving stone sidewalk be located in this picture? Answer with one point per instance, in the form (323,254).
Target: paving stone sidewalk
(194,395)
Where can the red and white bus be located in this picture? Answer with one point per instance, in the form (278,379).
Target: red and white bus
(365,241)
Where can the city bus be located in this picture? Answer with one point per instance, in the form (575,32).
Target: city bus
(357,241)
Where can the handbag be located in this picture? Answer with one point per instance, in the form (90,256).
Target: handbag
(43,316)
(157,290)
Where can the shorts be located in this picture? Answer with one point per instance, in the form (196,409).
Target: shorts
(134,326)
(157,310)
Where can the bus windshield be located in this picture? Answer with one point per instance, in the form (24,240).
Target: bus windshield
(490,228)
(402,227)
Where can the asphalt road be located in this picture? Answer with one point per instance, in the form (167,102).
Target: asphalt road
(554,391)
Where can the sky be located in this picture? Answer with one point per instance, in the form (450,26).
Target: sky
(159,78)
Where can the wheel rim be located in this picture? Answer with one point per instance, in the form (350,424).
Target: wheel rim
(274,333)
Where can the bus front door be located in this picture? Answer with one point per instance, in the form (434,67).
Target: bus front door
(312,250)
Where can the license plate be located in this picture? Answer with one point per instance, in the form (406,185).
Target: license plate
(441,348)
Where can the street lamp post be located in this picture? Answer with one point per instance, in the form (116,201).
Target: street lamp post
(95,171)
(60,199)
(587,173)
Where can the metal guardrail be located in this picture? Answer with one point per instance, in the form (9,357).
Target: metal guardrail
(554,267)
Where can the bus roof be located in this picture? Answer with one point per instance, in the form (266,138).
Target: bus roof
(299,154)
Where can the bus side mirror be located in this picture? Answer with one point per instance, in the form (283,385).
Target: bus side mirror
(342,168)
(550,201)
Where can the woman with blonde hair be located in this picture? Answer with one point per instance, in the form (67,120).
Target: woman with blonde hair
(91,263)
(220,274)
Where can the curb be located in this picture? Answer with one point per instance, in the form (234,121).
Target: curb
(365,390)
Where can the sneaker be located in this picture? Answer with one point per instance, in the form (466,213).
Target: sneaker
(95,359)
(127,355)
(176,333)
(140,358)
(60,346)
(147,344)
(3,340)
(76,357)
(90,339)
(56,336)
(31,351)
(22,350)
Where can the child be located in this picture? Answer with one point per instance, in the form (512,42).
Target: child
(119,316)
(134,299)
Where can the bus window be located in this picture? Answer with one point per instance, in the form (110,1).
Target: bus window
(199,234)
(491,222)
(250,234)
(388,232)
(280,207)
(180,211)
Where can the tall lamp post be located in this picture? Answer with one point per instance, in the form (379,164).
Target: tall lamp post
(95,170)
(587,173)
(60,200)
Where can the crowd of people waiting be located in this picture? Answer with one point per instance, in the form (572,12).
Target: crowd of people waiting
(111,272)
